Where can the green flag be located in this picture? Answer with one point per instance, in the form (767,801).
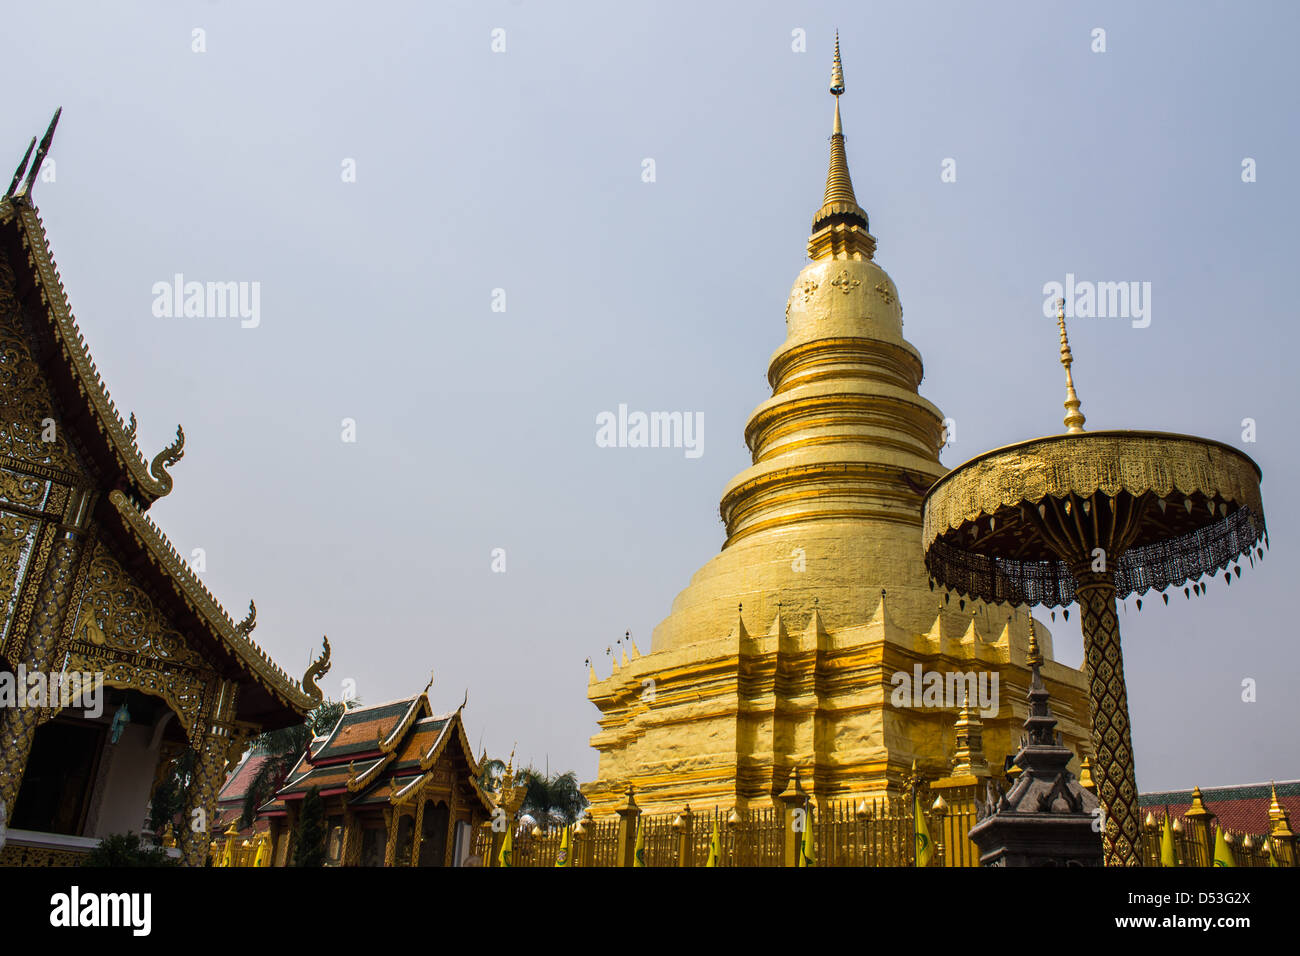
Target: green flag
(506,855)
(924,845)
(1167,857)
(807,848)
(562,858)
(1222,854)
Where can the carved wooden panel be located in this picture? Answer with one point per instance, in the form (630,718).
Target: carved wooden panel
(29,429)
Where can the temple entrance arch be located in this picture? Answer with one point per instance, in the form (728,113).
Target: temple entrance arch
(433,833)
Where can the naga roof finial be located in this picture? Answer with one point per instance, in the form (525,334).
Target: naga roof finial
(245,627)
(41,152)
(318,669)
(22,168)
(164,460)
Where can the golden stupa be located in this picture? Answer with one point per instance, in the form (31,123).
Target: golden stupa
(783,651)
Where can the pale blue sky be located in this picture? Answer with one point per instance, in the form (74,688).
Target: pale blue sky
(522,170)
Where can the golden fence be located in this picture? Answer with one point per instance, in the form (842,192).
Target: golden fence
(1193,844)
(872,831)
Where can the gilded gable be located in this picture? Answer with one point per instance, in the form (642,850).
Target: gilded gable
(30,429)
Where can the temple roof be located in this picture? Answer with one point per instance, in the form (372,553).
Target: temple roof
(109,440)
(1243,808)
(380,754)
(361,731)
(230,801)
(105,446)
(216,623)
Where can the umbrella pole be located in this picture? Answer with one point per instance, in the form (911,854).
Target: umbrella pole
(1111,737)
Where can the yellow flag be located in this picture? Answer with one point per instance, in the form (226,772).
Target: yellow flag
(807,850)
(1222,855)
(1272,853)
(1167,857)
(263,851)
(715,845)
(638,854)
(924,845)
(506,855)
(562,858)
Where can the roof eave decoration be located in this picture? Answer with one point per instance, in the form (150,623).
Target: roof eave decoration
(439,745)
(233,637)
(402,795)
(435,750)
(147,481)
(361,781)
(419,708)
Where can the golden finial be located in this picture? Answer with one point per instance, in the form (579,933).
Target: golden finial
(1033,657)
(1073,417)
(837,70)
(840,226)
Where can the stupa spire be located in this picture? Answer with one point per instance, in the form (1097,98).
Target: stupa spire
(840,225)
(1073,416)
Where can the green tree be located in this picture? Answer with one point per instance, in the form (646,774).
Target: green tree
(490,774)
(309,835)
(124,849)
(168,800)
(282,748)
(551,800)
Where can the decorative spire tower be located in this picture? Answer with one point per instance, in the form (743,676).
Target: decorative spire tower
(839,229)
(778,654)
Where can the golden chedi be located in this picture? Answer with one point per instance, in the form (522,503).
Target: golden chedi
(789,649)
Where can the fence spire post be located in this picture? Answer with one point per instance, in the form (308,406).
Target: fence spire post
(795,804)
(685,827)
(1280,833)
(1198,818)
(628,817)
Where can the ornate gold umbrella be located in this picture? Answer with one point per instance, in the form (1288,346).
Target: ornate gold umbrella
(1094,517)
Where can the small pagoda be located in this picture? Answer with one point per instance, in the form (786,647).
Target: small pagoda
(1047,818)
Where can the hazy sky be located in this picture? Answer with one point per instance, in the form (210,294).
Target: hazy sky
(522,170)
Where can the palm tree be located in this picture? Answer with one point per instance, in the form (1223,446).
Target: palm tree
(282,748)
(491,773)
(551,800)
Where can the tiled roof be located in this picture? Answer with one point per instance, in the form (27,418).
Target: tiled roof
(382,790)
(1243,808)
(360,731)
(229,815)
(333,777)
(238,783)
(422,738)
(381,750)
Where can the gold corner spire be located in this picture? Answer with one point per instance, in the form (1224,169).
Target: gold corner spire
(1073,417)
(840,227)
(1033,655)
